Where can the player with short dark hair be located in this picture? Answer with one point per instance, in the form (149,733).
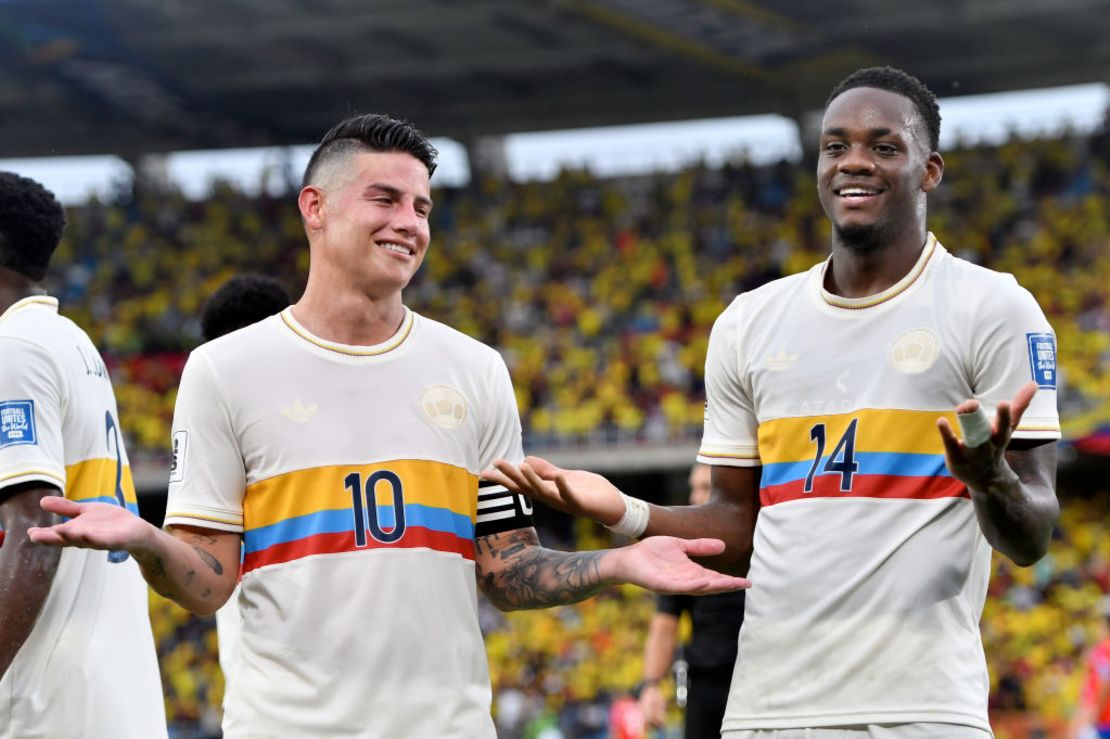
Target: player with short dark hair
(900,83)
(839,483)
(242,300)
(76,652)
(340,444)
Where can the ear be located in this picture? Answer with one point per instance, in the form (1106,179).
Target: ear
(311,203)
(934,172)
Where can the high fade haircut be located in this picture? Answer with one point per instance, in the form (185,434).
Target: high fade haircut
(242,300)
(31,225)
(900,83)
(369,132)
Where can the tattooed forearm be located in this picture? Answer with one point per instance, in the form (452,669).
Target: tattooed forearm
(515,572)
(212,562)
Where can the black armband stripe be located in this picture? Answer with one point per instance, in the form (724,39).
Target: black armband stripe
(500,510)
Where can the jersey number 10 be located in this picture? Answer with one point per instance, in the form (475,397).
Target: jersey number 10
(365,507)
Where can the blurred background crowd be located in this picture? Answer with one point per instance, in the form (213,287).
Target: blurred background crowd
(600,294)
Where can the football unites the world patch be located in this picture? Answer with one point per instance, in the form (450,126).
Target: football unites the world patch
(1042,359)
(17,423)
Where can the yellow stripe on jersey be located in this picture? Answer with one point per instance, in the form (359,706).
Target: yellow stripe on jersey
(94,480)
(303,492)
(878,430)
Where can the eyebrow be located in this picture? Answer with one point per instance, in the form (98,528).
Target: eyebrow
(843,132)
(396,193)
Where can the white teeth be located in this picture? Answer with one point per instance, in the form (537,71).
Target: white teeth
(854,191)
(395,247)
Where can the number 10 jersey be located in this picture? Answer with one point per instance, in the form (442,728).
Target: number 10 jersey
(352,473)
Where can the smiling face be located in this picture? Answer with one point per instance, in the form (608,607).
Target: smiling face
(875,168)
(367,221)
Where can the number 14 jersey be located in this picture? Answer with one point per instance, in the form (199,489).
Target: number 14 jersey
(869,568)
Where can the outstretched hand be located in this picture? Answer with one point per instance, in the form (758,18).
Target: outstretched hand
(577,492)
(90,526)
(664,564)
(977,466)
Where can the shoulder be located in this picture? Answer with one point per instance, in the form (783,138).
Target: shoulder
(747,306)
(244,343)
(985,291)
(455,342)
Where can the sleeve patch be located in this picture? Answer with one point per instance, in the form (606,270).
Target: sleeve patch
(1042,359)
(177,458)
(500,510)
(17,423)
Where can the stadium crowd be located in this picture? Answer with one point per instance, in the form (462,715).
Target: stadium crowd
(600,294)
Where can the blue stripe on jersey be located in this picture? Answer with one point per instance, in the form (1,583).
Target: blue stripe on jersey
(339,520)
(870,463)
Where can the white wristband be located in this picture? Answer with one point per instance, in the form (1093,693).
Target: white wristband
(635,518)
(976,427)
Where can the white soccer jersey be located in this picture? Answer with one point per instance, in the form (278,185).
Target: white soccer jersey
(869,571)
(353,474)
(88,669)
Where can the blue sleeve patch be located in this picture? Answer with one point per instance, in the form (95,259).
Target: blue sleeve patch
(1042,359)
(17,423)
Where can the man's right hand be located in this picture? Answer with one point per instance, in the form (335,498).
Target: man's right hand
(91,526)
(577,492)
(653,705)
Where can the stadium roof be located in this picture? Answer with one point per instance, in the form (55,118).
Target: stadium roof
(129,77)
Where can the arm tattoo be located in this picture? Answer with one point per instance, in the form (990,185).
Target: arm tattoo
(522,574)
(209,560)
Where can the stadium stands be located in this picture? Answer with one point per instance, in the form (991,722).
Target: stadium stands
(600,293)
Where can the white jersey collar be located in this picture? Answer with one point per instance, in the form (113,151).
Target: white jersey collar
(932,247)
(40,301)
(351,350)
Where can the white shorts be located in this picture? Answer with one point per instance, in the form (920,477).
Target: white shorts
(870,731)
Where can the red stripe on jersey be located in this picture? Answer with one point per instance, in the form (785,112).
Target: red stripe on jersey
(867,486)
(415,537)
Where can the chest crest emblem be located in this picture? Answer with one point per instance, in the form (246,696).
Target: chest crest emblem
(914,351)
(444,407)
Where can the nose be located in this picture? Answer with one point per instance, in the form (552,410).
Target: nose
(857,160)
(405,218)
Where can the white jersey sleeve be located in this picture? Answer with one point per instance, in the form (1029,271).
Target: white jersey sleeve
(730,436)
(1013,343)
(207,474)
(32,397)
(498,509)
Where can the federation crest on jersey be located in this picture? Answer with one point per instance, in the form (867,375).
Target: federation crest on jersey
(1042,359)
(444,406)
(914,351)
(17,423)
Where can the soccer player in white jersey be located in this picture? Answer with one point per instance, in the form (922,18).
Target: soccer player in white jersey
(340,443)
(77,656)
(832,402)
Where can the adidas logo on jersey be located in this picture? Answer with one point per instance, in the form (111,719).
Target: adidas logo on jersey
(299,412)
(781,361)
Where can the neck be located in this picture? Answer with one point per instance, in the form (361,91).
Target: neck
(855,273)
(355,319)
(15,287)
